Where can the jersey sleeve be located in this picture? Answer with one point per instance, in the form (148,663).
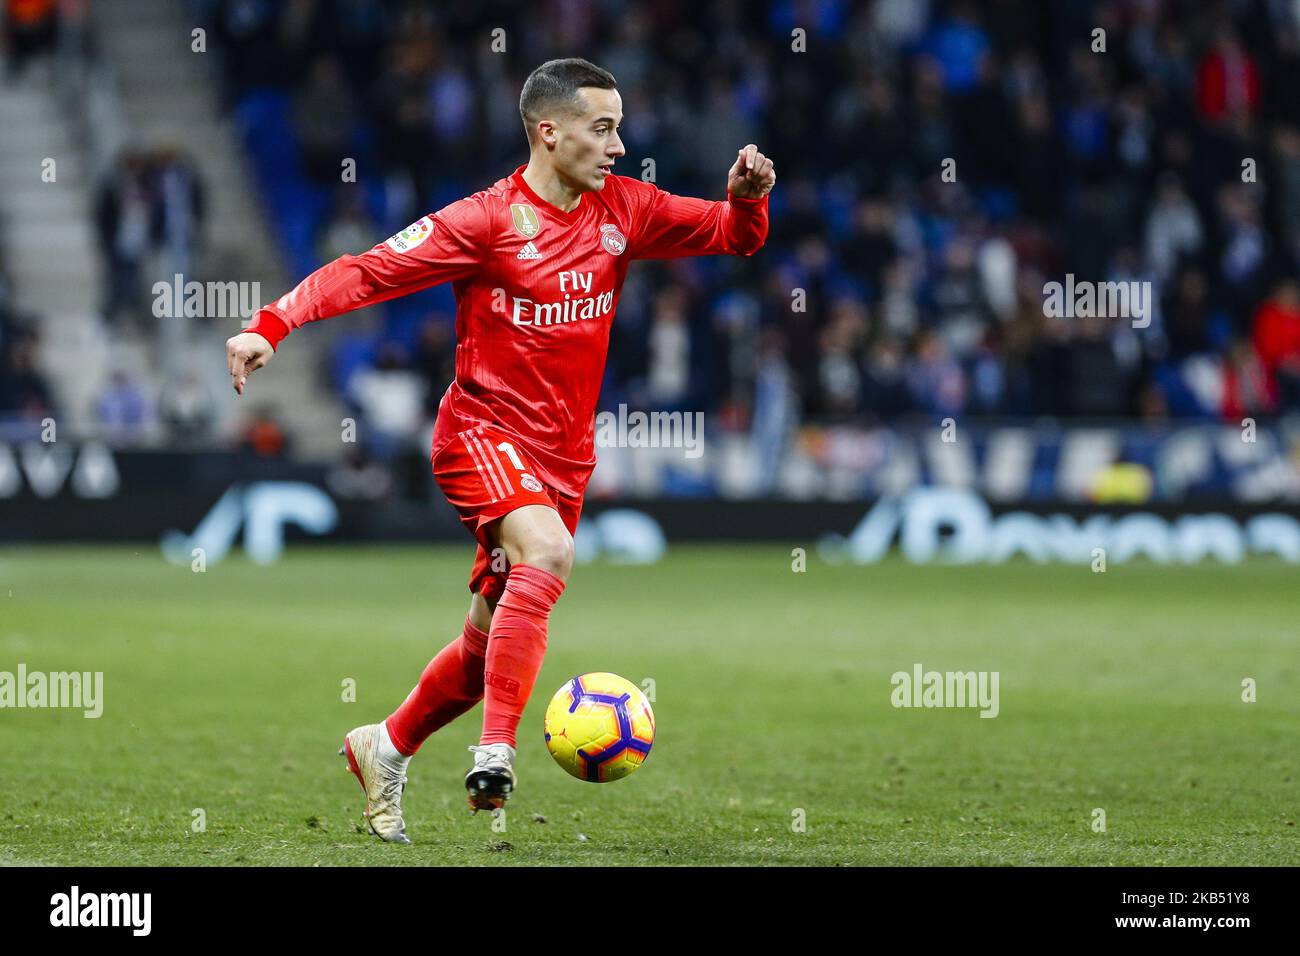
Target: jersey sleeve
(447,246)
(666,226)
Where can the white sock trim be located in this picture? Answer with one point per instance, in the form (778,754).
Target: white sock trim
(388,753)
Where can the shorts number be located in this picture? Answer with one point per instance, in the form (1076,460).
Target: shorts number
(509,449)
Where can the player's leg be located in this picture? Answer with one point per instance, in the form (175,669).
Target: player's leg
(471,474)
(451,684)
(539,549)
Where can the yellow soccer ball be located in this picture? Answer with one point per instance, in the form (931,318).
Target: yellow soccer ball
(599,727)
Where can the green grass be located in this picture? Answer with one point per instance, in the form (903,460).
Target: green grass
(223,692)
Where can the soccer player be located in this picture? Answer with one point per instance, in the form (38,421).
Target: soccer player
(536,262)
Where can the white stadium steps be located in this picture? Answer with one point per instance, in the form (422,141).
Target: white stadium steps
(165,95)
(47,233)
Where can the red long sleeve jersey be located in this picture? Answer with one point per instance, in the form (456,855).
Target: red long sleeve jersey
(536,289)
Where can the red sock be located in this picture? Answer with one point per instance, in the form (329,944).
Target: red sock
(449,686)
(516,649)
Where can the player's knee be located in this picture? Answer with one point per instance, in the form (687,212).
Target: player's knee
(550,552)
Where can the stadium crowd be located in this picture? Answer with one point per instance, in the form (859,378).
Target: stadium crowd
(938,163)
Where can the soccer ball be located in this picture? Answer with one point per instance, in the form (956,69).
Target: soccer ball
(599,727)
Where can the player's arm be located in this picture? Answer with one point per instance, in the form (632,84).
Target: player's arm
(672,226)
(440,248)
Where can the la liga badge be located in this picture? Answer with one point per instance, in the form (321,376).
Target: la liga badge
(412,235)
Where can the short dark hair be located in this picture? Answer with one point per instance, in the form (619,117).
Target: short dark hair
(555,84)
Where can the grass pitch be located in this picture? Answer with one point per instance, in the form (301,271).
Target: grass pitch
(223,702)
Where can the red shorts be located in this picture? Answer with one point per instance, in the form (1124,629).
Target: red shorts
(486,475)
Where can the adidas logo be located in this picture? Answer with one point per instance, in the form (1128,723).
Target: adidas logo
(529,251)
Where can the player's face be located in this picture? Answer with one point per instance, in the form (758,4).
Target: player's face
(587,145)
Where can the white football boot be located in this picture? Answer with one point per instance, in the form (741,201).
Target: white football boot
(492,777)
(380,781)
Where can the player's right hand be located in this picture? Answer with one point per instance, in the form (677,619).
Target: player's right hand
(245,354)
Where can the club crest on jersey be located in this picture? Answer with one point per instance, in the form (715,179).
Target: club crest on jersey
(531,483)
(613,240)
(412,235)
(525,219)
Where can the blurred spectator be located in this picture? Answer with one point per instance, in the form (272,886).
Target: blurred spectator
(1277,343)
(324,114)
(840,369)
(124,213)
(124,411)
(178,198)
(264,436)
(358,477)
(988,376)
(1096,382)
(870,247)
(1227,80)
(149,202)
(1246,388)
(934,377)
(24,394)
(959,45)
(668,377)
(390,398)
(350,230)
(1192,326)
(961,308)
(1173,228)
(31,31)
(435,358)
(185,406)
(775,408)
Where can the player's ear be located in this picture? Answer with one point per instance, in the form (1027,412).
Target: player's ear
(546,133)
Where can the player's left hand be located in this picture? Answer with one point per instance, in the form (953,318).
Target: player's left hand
(752,176)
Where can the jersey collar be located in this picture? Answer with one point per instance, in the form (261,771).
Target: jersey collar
(556,211)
